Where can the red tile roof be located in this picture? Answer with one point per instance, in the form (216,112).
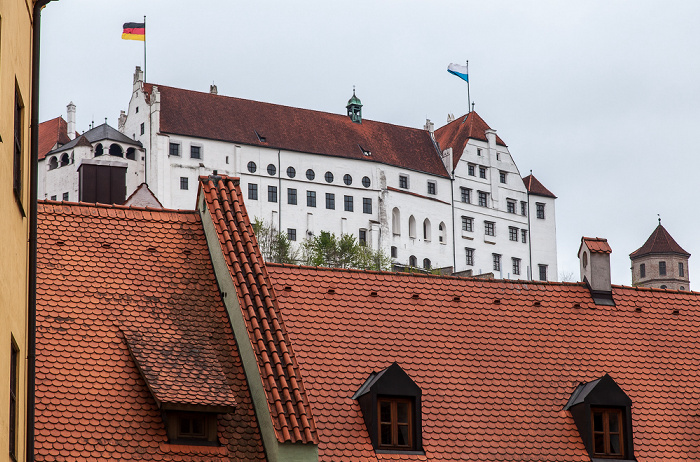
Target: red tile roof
(596,244)
(456,134)
(496,360)
(51,133)
(535,188)
(111,273)
(287,401)
(660,241)
(217,117)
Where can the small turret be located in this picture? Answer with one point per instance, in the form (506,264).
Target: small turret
(354,108)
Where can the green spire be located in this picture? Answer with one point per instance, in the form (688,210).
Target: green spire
(354,108)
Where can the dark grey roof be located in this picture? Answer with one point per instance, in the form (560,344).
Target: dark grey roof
(100,133)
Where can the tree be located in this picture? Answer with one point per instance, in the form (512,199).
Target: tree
(345,252)
(274,246)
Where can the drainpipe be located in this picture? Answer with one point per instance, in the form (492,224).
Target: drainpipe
(529,237)
(33,186)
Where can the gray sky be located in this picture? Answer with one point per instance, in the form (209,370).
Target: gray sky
(600,99)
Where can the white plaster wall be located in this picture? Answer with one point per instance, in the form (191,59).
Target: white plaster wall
(543,233)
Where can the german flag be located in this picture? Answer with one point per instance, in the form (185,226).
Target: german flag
(134,31)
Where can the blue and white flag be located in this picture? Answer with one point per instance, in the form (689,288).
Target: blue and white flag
(460,71)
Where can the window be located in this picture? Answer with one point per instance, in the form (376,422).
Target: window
(252,168)
(543,272)
(347,204)
(523,208)
(470,256)
(394,251)
(502,177)
(412,227)
(130,154)
(365,181)
(432,187)
(478,152)
(252,191)
(65,160)
(184,183)
(53,198)
(496,262)
(311,198)
(347,179)
(465,195)
(412,261)
(17,158)
(310,175)
(489,228)
(291,172)
(662,268)
(272,193)
(442,235)
(516,266)
(510,206)
(403,181)
(143,128)
(271,169)
(291,196)
(116,150)
(426,229)
(483,199)
(395,417)
(467,224)
(14,356)
(53,163)
(426,263)
(196,152)
(607,432)
(642,270)
(175,151)
(681,272)
(65,196)
(137,109)
(329,177)
(330,201)
(523,235)
(471,169)
(482,172)
(513,233)
(191,427)
(540,210)
(362,237)
(291,234)
(396,221)
(366,205)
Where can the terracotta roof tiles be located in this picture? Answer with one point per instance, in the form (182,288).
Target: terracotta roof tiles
(536,188)
(660,241)
(52,133)
(457,133)
(596,244)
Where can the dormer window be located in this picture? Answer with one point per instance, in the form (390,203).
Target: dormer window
(192,428)
(395,423)
(607,432)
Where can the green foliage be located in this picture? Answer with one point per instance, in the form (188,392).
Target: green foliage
(345,252)
(275,247)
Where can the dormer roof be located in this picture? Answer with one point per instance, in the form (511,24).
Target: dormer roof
(660,242)
(100,133)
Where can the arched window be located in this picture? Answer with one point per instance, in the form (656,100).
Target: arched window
(412,227)
(426,229)
(116,150)
(396,221)
(53,163)
(426,263)
(99,150)
(412,261)
(442,230)
(65,159)
(131,153)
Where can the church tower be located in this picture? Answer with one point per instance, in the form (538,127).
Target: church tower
(660,263)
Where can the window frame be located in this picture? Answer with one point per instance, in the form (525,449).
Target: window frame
(252,167)
(184,181)
(432,187)
(482,172)
(483,198)
(489,228)
(471,169)
(468,224)
(511,205)
(311,198)
(292,196)
(513,233)
(18,145)
(272,194)
(292,234)
(642,270)
(199,149)
(177,152)
(523,235)
(328,176)
(252,191)
(330,201)
(393,422)
(348,203)
(516,265)
(465,195)
(367,205)
(469,254)
(540,268)
(503,177)
(523,208)
(540,210)
(606,433)
(403,181)
(681,269)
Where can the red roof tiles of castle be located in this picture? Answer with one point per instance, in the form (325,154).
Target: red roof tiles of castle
(112,278)
(496,360)
(536,188)
(660,241)
(596,244)
(457,133)
(52,133)
(287,401)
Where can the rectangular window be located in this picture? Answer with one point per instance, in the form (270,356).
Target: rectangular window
(510,206)
(196,152)
(291,196)
(432,187)
(366,205)
(543,272)
(348,204)
(252,191)
(496,262)
(394,251)
(607,433)
(489,228)
(482,172)
(516,266)
(466,195)
(143,128)
(502,177)
(467,224)
(395,421)
(330,201)
(540,210)
(184,183)
(311,198)
(403,181)
(478,152)
(681,272)
(18,145)
(272,193)
(483,199)
(53,198)
(65,196)
(471,169)
(174,149)
(362,237)
(523,208)
(523,235)
(14,357)
(291,234)
(470,256)
(642,270)
(513,233)
(662,268)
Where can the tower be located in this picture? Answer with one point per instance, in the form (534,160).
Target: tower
(354,108)
(660,263)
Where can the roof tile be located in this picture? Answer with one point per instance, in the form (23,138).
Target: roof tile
(660,241)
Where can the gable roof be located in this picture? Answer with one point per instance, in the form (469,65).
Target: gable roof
(596,244)
(496,360)
(52,133)
(143,197)
(457,133)
(660,241)
(100,133)
(535,188)
(236,120)
(113,277)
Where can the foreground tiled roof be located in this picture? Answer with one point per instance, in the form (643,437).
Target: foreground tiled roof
(51,133)
(110,277)
(660,241)
(217,117)
(596,244)
(496,360)
(536,188)
(456,134)
(277,366)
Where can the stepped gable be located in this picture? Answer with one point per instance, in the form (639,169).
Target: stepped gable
(278,368)
(110,278)
(236,120)
(661,242)
(496,365)
(535,188)
(52,133)
(457,133)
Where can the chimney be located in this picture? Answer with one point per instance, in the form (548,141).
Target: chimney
(121,121)
(429,126)
(70,115)
(450,117)
(491,137)
(594,260)
(213,90)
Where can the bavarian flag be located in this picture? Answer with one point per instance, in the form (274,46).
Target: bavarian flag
(134,31)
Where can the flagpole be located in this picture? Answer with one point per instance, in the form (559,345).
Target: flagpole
(144,48)
(469,97)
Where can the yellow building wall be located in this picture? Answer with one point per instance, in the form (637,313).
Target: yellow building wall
(15,72)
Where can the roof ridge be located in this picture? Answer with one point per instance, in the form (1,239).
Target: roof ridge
(100,205)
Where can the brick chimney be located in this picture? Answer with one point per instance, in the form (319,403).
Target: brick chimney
(594,260)
(70,115)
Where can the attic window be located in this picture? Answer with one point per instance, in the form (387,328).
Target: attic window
(191,428)
(395,429)
(261,138)
(365,152)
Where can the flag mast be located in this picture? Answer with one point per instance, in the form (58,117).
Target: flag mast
(144,48)
(469,97)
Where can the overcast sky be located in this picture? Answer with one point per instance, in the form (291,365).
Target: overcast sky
(600,99)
